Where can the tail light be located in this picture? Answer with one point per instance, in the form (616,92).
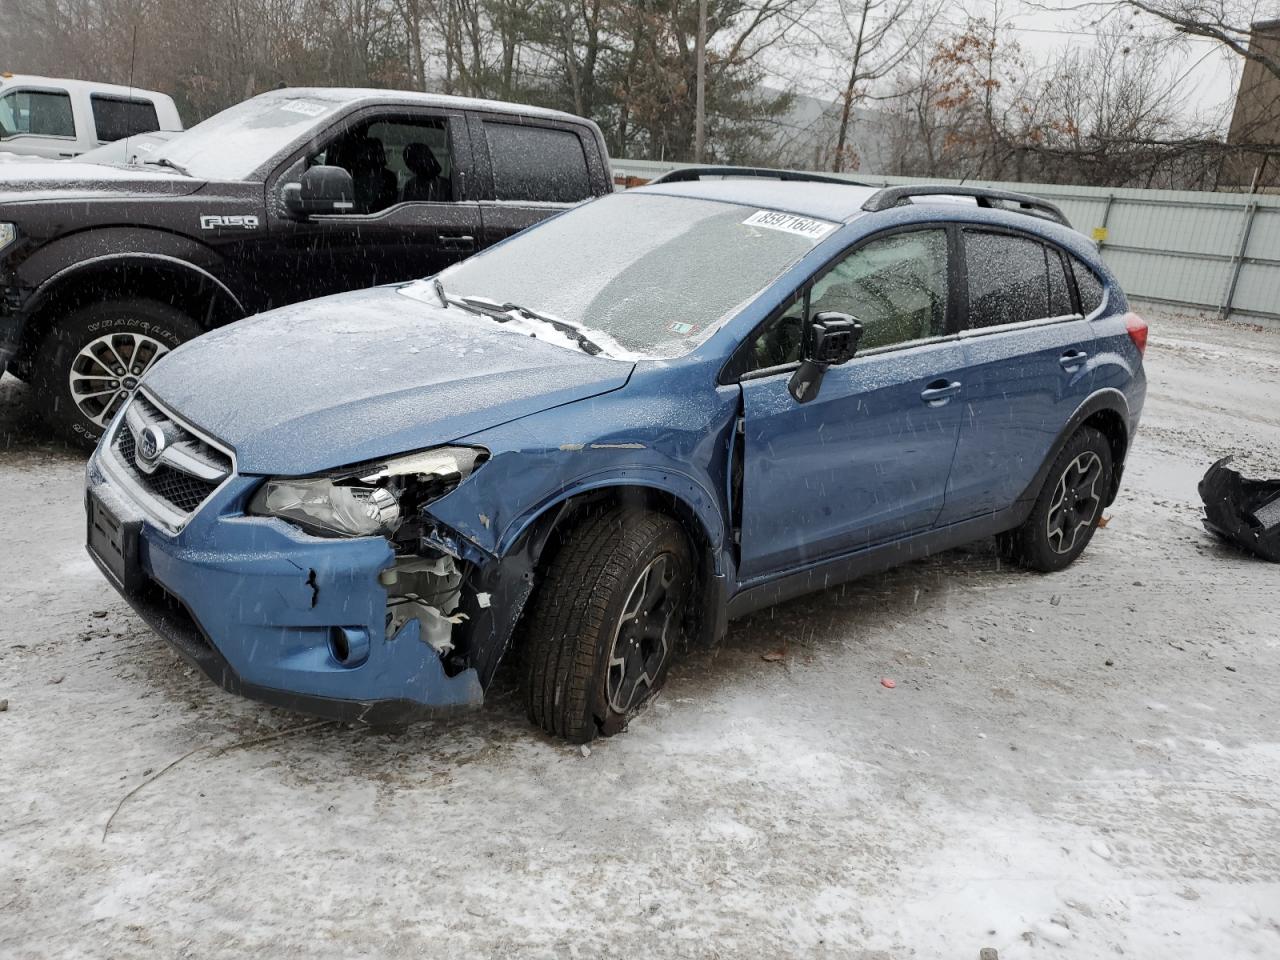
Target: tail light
(1136,327)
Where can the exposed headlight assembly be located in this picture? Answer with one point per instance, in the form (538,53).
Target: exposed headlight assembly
(369,499)
(8,234)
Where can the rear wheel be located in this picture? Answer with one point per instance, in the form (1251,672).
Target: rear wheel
(92,360)
(1066,512)
(606,620)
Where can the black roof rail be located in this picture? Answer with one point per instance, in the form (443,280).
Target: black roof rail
(986,197)
(686,174)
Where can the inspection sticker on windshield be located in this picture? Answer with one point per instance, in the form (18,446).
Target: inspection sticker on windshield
(790,223)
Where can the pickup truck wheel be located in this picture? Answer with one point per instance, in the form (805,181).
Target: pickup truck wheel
(605,622)
(90,363)
(1066,512)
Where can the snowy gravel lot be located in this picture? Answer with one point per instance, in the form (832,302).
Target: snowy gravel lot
(1080,765)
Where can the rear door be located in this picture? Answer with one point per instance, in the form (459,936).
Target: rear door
(867,460)
(529,170)
(1027,351)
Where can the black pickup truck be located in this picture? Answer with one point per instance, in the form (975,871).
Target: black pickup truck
(291,195)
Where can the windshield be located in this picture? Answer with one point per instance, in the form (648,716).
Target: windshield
(655,274)
(232,144)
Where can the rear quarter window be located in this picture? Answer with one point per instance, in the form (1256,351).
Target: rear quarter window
(1060,304)
(537,164)
(116,117)
(1089,286)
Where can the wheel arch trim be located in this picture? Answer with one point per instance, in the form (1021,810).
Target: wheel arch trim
(1106,401)
(175,264)
(689,495)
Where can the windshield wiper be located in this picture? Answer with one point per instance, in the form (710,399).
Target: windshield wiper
(166,162)
(501,311)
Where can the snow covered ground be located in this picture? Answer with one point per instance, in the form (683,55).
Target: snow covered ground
(1081,765)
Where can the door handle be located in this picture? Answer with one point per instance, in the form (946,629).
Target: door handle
(1072,359)
(458,242)
(940,392)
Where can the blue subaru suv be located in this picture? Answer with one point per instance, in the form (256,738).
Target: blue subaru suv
(609,435)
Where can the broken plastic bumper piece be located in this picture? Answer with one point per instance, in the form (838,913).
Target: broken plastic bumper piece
(270,612)
(1243,511)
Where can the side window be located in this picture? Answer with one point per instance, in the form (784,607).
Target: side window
(897,287)
(1007,282)
(39,112)
(1089,285)
(1059,290)
(537,164)
(116,118)
(393,161)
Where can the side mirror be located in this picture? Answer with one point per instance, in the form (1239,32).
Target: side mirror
(830,339)
(320,190)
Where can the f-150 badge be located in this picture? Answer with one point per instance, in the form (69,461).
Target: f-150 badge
(246,221)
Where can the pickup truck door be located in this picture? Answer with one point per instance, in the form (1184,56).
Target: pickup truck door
(528,169)
(412,218)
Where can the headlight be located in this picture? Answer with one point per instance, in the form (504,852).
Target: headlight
(368,499)
(8,234)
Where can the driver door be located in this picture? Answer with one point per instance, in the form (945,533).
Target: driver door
(867,460)
(411,216)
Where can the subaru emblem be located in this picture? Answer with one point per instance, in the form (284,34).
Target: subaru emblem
(150,445)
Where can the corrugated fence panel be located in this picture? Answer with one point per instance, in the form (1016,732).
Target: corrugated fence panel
(1178,247)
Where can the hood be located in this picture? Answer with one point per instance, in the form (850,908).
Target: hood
(69,180)
(362,375)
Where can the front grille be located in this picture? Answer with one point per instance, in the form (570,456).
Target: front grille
(186,472)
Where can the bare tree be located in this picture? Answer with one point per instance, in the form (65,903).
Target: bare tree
(870,40)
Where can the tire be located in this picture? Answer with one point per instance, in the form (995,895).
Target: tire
(591,598)
(1066,512)
(81,344)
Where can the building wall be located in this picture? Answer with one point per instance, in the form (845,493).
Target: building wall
(1256,118)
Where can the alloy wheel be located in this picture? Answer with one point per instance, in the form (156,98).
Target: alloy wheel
(642,641)
(1076,502)
(107,370)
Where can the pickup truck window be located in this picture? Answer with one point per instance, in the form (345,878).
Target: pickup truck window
(43,113)
(116,118)
(394,161)
(537,164)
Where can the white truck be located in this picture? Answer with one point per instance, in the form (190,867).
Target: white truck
(58,119)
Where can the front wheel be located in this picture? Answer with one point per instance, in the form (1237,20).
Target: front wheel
(605,622)
(93,359)
(1067,511)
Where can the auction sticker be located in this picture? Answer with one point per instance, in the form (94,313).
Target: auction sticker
(308,108)
(790,223)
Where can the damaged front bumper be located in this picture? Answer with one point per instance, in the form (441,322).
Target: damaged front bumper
(272,613)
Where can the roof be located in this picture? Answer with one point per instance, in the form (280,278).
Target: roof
(76,86)
(356,95)
(822,201)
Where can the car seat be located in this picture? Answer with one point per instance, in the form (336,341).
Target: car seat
(426,184)
(375,185)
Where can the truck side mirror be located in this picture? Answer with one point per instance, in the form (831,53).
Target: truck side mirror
(320,190)
(830,339)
